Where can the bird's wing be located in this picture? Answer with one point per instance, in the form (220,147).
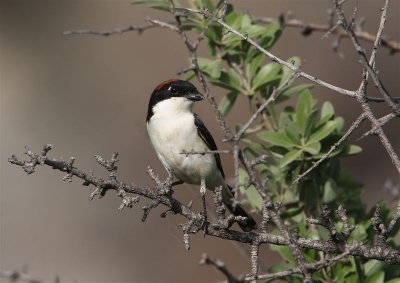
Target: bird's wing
(208,140)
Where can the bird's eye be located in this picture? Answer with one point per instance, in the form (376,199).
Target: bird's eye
(171,89)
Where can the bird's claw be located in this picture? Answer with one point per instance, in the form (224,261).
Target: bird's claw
(204,224)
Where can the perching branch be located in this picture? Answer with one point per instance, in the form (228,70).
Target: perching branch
(161,194)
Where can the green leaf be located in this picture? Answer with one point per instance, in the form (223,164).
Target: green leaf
(267,74)
(272,28)
(352,149)
(273,115)
(378,277)
(188,76)
(372,266)
(284,252)
(227,80)
(344,274)
(234,19)
(292,135)
(327,112)
(279,267)
(360,232)
(286,124)
(339,123)
(253,65)
(310,123)
(322,132)
(254,31)
(156,4)
(210,67)
(271,34)
(252,197)
(227,102)
(357,266)
(303,109)
(204,4)
(268,36)
(290,157)
(276,138)
(211,46)
(292,210)
(246,21)
(231,40)
(214,33)
(213,38)
(288,92)
(394,280)
(313,148)
(329,191)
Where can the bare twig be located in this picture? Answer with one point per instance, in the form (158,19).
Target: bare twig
(114,31)
(309,27)
(368,65)
(254,255)
(221,267)
(379,99)
(206,152)
(162,24)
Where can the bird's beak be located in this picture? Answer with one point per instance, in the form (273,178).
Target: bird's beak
(196,96)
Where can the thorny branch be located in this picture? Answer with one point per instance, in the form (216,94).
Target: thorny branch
(335,249)
(369,71)
(138,28)
(307,28)
(162,194)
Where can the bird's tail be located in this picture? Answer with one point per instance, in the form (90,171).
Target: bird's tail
(237,210)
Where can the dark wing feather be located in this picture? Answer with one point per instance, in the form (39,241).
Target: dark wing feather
(208,140)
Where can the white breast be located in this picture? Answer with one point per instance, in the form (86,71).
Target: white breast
(172,131)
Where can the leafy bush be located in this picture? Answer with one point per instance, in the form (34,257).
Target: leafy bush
(293,139)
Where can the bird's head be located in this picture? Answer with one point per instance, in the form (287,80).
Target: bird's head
(173,95)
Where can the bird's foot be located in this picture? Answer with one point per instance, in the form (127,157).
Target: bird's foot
(204,226)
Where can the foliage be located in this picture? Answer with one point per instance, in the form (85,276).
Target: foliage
(294,131)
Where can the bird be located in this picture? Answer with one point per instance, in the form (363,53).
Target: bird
(174,129)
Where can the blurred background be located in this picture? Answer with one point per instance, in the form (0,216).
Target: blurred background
(88,95)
